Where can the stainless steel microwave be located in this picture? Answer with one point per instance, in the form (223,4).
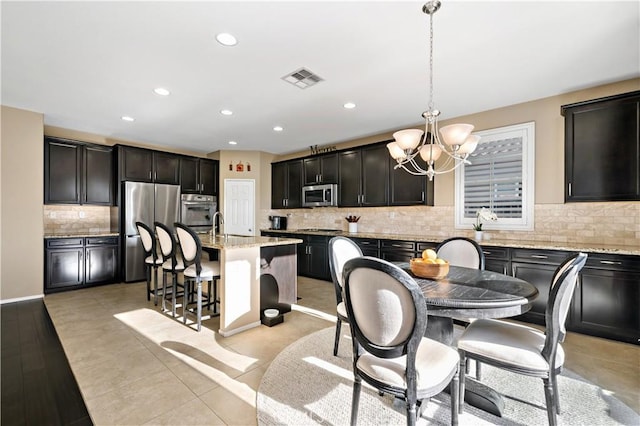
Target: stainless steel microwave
(320,195)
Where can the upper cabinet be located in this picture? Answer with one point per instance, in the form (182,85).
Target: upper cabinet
(407,189)
(602,149)
(198,176)
(144,165)
(77,173)
(286,185)
(363,176)
(320,169)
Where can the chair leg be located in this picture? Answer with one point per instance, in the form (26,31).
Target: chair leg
(215,296)
(164,290)
(199,301)
(147,274)
(478,370)
(355,400)
(556,394)
(337,340)
(462,372)
(209,283)
(185,300)
(550,400)
(174,297)
(411,413)
(155,285)
(454,391)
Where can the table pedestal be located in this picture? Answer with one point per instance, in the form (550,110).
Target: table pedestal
(476,393)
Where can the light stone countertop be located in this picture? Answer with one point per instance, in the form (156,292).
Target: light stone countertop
(79,234)
(221,242)
(494,242)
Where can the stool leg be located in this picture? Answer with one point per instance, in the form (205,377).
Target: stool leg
(199,314)
(215,296)
(164,290)
(155,285)
(185,300)
(147,274)
(175,290)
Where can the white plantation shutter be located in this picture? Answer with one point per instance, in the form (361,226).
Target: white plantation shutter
(500,178)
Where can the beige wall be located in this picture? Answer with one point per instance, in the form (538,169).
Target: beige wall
(21,195)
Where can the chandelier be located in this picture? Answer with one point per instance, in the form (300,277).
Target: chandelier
(454,141)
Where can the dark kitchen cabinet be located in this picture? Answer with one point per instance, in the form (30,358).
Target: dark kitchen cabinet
(145,165)
(363,177)
(320,169)
(537,267)
(398,251)
(602,149)
(313,256)
(497,259)
(76,262)
(605,302)
(78,173)
(286,185)
(407,189)
(369,246)
(198,176)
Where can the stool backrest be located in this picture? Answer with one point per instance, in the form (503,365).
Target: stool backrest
(190,246)
(148,238)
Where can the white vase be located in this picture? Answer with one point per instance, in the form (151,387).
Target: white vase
(353,227)
(479,235)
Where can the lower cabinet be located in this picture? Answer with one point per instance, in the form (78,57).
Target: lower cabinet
(397,251)
(497,259)
(313,257)
(75,262)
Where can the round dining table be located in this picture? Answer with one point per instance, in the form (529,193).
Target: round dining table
(465,294)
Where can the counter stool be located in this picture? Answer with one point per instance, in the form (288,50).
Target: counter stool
(151,259)
(172,263)
(196,271)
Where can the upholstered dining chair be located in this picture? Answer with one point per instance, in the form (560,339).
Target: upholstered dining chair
(388,318)
(341,249)
(196,270)
(461,251)
(172,264)
(525,350)
(151,260)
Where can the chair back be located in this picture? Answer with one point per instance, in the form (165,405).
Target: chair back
(341,250)
(148,239)
(561,292)
(167,243)
(461,251)
(386,309)
(190,246)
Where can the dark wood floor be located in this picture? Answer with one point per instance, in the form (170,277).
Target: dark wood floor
(38,387)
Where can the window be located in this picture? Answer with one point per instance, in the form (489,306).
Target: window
(500,177)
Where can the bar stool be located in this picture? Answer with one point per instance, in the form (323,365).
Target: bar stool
(196,270)
(172,264)
(151,259)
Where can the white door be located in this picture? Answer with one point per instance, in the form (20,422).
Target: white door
(239,206)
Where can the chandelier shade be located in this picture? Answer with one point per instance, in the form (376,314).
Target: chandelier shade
(455,141)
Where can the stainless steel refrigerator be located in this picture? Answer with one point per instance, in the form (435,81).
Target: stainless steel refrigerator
(147,203)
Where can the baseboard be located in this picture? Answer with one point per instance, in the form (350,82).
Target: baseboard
(21,299)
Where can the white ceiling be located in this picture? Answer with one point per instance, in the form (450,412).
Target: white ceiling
(86,64)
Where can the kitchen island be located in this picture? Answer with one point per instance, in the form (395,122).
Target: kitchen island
(255,272)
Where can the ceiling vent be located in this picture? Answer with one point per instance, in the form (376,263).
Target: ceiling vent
(302,78)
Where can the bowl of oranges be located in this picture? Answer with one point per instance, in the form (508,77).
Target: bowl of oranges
(429,265)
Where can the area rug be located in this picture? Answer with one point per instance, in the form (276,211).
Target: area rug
(307,385)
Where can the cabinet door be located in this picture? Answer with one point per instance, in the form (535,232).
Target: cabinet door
(375,176)
(189,175)
(319,258)
(166,168)
(497,259)
(208,177)
(349,177)
(101,264)
(311,170)
(294,184)
(136,164)
(407,189)
(540,275)
(602,147)
(98,175)
(65,267)
(329,168)
(278,185)
(62,172)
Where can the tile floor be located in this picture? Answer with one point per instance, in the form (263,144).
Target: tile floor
(135,365)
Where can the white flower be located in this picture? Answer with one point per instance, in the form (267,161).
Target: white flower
(484,214)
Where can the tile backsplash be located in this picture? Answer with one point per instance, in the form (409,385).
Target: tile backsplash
(76,218)
(613,223)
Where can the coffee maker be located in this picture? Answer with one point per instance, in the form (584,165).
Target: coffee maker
(278,222)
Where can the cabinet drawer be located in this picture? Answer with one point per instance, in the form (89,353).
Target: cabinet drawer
(613,261)
(393,245)
(101,241)
(423,246)
(495,252)
(64,242)
(366,242)
(540,256)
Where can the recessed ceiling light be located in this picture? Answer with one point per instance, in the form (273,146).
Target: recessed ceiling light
(161,91)
(226,112)
(127,118)
(278,129)
(233,143)
(226,39)
(349,105)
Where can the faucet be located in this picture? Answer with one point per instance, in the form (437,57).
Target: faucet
(213,228)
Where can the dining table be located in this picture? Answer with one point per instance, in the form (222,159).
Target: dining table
(466,293)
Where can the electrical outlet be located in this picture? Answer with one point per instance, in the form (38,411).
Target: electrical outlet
(82,215)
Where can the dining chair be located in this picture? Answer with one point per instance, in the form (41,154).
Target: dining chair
(388,317)
(341,249)
(172,264)
(151,260)
(526,350)
(461,251)
(196,270)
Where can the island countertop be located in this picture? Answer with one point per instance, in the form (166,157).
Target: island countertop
(222,242)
